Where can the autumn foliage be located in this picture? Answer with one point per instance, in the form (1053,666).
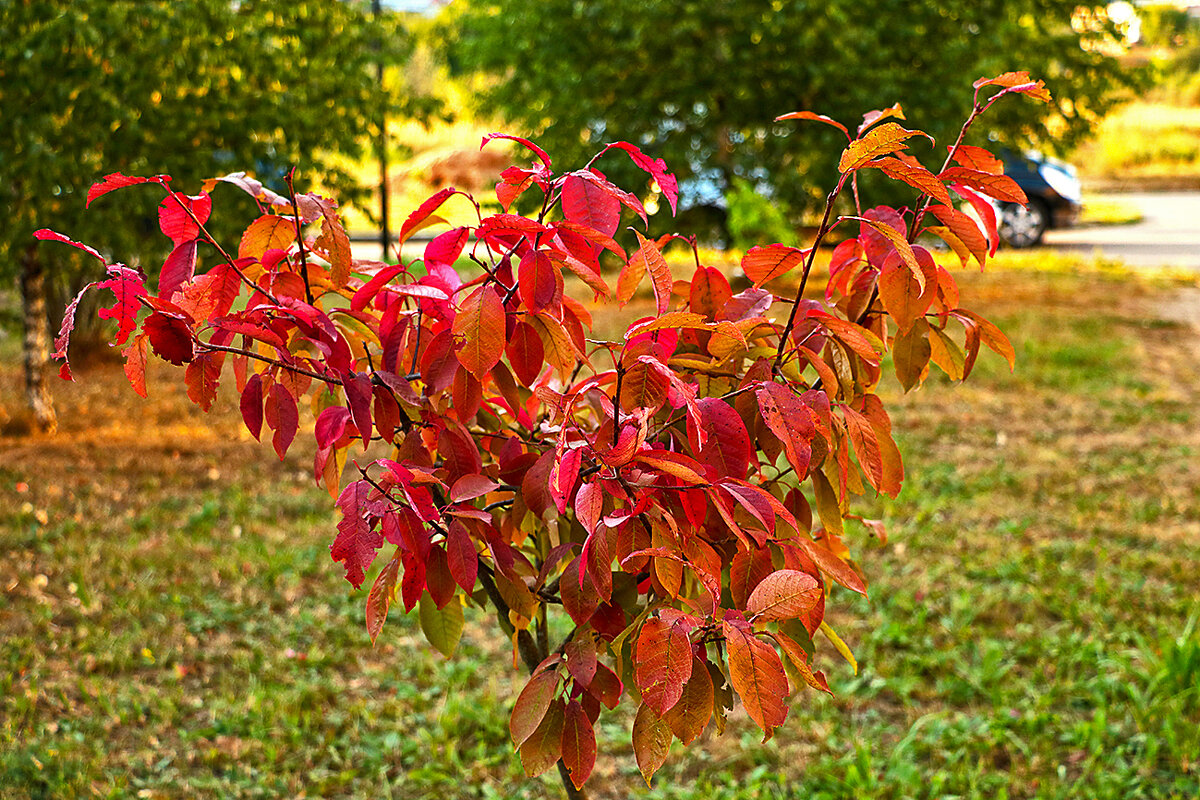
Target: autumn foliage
(681,495)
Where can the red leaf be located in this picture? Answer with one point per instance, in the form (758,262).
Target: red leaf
(63,340)
(45,234)
(657,169)
(357,541)
(541,154)
(746,571)
(525,353)
(578,744)
(202,376)
(116,180)
(757,675)
(789,420)
(479,324)
(539,281)
(422,212)
(460,552)
(586,203)
(914,175)
(651,741)
(726,446)
(532,705)
(784,594)
(283,417)
(178,269)
(904,297)
(663,664)
(445,248)
(358,397)
(251,405)
(563,475)
(170,337)
(978,158)
(176,212)
(127,287)
(762,264)
(709,292)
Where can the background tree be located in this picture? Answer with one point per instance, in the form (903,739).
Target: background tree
(699,82)
(189,87)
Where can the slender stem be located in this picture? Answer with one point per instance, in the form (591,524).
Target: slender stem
(617,404)
(208,237)
(291,177)
(824,229)
(328,379)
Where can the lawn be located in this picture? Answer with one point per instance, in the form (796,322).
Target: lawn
(171,624)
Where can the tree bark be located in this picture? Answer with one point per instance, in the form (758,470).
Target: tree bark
(37,342)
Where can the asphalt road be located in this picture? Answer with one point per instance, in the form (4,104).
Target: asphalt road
(1168,235)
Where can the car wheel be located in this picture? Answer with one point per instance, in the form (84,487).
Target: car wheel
(1023,226)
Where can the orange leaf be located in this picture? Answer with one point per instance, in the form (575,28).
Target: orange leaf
(905,296)
(479,323)
(1017,82)
(914,175)
(903,248)
(1000,187)
(664,663)
(762,264)
(910,354)
(977,158)
(270,231)
(660,273)
(784,594)
(965,229)
(993,337)
(578,744)
(815,118)
(651,741)
(799,659)
(543,748)
(689,717)
(531,705)
(379,599)
(757,675)
(887,138)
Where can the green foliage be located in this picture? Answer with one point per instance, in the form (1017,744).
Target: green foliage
(698,83)
(191,87)
(754,218)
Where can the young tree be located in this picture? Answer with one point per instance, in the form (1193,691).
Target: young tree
(690,80)
(191,87)
(679,498)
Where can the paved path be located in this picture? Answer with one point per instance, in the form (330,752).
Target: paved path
(1168,235)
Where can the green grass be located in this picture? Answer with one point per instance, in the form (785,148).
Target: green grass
(172,626)
(1144,140)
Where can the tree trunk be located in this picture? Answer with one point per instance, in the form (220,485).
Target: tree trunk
(37,342)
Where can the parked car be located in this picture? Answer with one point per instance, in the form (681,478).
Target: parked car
(1055,198)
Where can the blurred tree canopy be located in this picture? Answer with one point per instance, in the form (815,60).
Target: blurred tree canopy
(194,88)
(698,82)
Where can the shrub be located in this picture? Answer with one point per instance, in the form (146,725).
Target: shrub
(679,498)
